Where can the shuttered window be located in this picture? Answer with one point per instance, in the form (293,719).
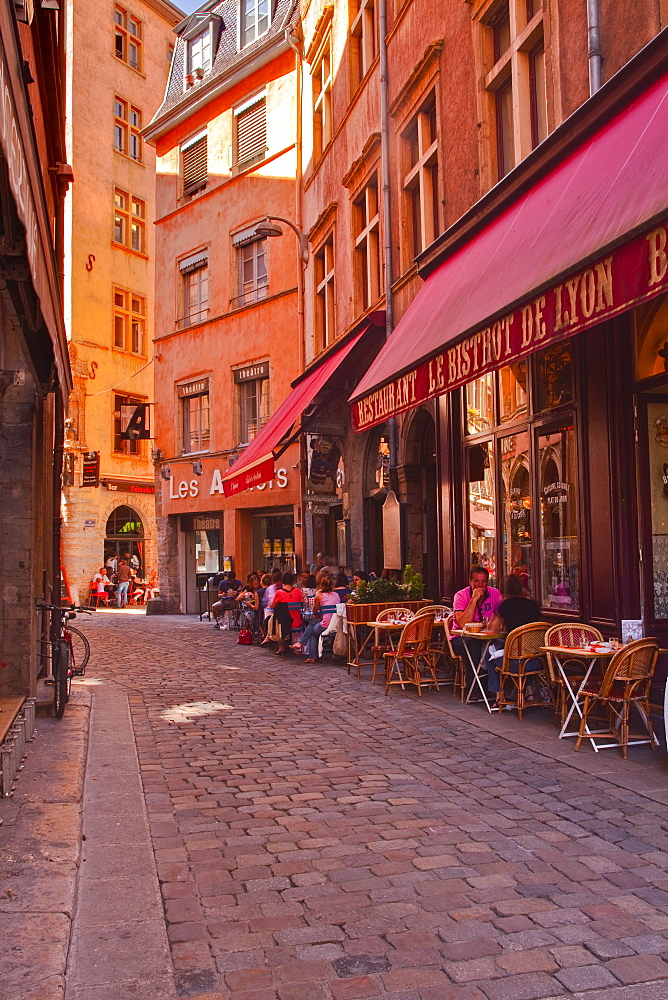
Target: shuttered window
(251,133)
(194,164)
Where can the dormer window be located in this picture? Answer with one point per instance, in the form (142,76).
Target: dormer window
(255,19)
(199,52)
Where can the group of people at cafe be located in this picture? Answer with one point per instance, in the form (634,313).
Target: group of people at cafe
(124,585)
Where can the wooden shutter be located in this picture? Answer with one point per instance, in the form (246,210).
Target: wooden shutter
(252,133)
(194,165)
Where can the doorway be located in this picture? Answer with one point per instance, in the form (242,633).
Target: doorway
(124,539)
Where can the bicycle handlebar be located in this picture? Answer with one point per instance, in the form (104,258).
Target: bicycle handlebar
(64,610)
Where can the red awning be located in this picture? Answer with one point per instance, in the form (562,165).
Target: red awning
(256,465)
(577,230)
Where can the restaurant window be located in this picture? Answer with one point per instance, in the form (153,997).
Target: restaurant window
(254,21)
(129,321)
(194,164)
(128,38)
(196,419)
(559,543)
(121,446)
(321,84)
(366,228)
(513,68)
(253,401)
(194,272)
(481,507)
(250,132)
(363,38)
(127,129)
(324,295)
(651,338)
(420,178)
(520,471)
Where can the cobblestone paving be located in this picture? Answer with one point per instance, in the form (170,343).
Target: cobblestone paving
(316,840)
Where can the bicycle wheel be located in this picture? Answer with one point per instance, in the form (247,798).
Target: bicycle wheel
(80,649)
(61,676)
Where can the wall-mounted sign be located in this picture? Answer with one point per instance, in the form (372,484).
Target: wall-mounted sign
(90,524)
(135,422)
(201,522)
(91,469)
(324,459)
(128,486)
(250,372)
(321,425)
(193,388)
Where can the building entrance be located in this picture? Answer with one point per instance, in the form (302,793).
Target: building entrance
(124,539)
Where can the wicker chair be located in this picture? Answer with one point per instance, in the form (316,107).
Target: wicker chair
(522,649)
(380,648)
(626,682)
(449,667)
(577,636)
(411,661)
(453,660)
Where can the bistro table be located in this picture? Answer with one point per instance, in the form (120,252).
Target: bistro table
(391,628)
(591,656)
(477,642)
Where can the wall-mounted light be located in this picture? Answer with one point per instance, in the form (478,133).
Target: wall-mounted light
(165,472)
(198,468)
(157,455)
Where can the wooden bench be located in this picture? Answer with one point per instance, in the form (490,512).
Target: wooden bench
(9,709)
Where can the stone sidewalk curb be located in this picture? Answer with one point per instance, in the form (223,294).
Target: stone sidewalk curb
(40,855)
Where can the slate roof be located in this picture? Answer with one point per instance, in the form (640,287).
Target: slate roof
(227,54)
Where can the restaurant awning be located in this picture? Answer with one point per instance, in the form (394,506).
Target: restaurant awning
(580,245)
(482,519)
(256,465)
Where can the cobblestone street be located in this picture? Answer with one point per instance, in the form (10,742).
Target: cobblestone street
(316,840)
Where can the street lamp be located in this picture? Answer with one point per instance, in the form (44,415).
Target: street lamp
(268,227)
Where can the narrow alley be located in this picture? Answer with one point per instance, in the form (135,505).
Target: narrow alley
(264,829)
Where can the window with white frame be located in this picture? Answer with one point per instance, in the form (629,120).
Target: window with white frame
(420,179)
(195,416)
(252,270)
(250,132)
(325,319)
(194,271)
(199,52)
(194,164)
(252,385)
(366,230)
(255,18)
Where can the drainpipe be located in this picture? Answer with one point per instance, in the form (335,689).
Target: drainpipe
(594,39)
(294,41)
(387,213)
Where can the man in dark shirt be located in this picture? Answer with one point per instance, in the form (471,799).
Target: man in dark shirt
(228,590)
(513,612)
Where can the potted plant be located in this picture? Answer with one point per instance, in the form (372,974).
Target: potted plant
(369,599)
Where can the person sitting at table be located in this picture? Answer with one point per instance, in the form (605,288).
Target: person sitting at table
(249,601)
(228,588)
(478,602)
(342,588)
(324,606)
(307,584)
(513,612)
(287,608)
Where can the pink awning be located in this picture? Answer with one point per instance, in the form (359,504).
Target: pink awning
(491,303)
(256,465)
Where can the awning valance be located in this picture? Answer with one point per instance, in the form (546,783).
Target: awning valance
(583,244)
(256,465)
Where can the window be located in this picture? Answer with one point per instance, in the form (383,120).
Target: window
(255,19)
(325,331)
(515,79)
(127,127)
(194,167)
(129,221)
(194,272)
(133,446)
(254,411)
(420,182)
(250,132)
(363,38)
(128,38)
(322,99)
(366,228)
(196,422)
(129,321)
(199,52)
(252,257)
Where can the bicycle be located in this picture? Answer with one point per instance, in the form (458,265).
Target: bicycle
(70,652)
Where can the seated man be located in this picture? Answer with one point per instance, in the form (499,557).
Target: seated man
(476,603)
(228,590)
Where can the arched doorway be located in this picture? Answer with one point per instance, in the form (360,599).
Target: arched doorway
(419,484)
(375,484)
(124,538)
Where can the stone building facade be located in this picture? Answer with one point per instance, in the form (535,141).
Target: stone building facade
(118,65)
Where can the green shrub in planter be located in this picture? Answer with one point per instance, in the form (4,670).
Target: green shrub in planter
(381,591)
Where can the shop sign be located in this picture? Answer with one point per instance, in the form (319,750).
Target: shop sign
(250,372)
(202,486)
(91,469)
(325,464)
(201,522)
(193,388)
(634,273)
(127,486)
(90,524)
(318,508)
(322,425)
